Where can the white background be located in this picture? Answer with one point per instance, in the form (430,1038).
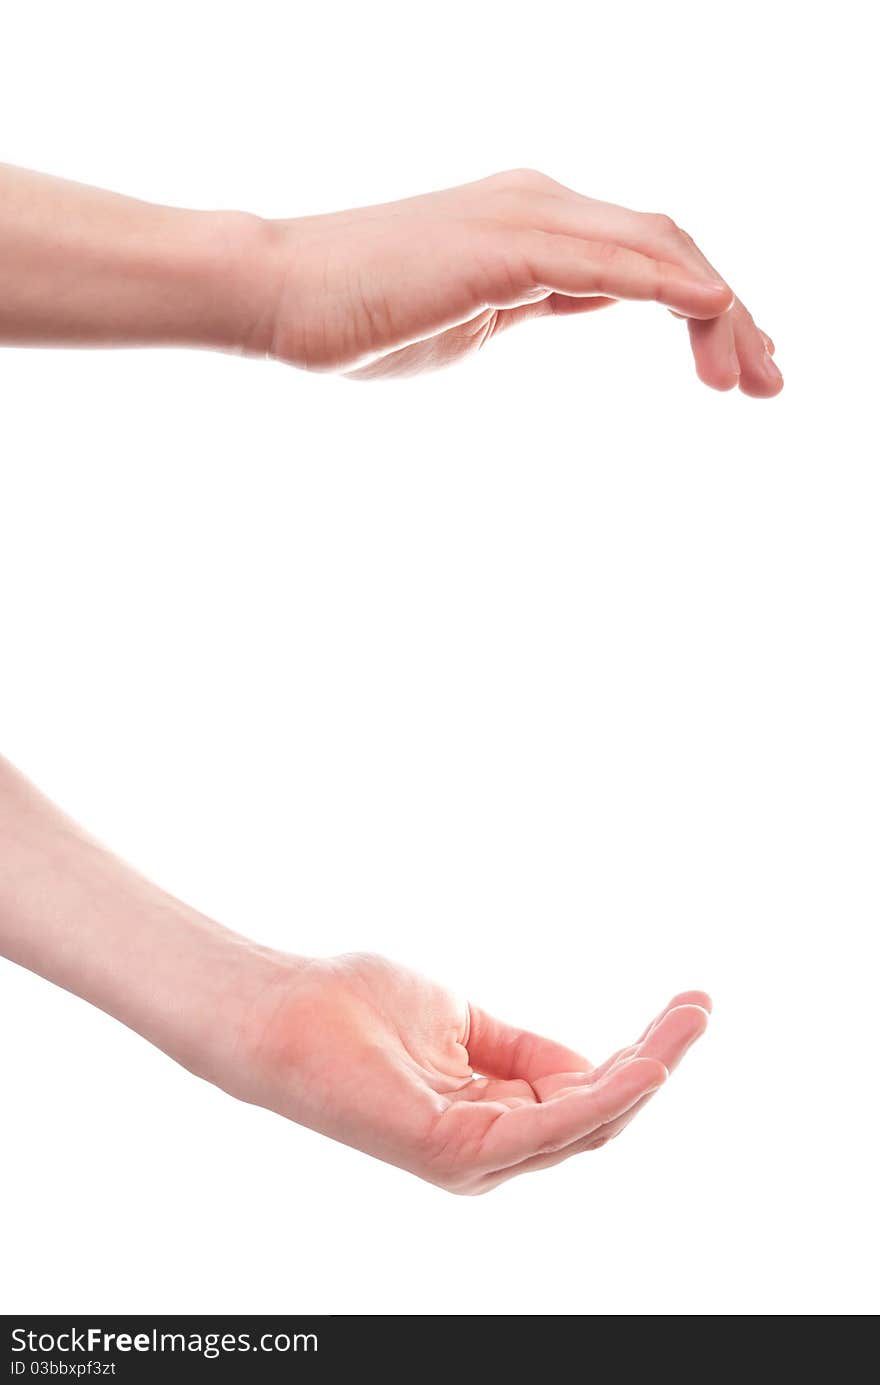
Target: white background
(554,676)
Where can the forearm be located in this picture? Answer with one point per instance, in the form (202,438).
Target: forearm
(75,914)
(83,267)
(380,291)
(354,1046)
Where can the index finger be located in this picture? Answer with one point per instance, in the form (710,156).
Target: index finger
(582,268)
(684,998)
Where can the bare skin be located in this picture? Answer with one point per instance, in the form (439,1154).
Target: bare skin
(356,1047)
(375,292)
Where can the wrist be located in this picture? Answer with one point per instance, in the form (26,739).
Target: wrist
(221,266)
(220,993)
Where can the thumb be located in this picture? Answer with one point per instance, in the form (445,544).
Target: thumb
(497,1049)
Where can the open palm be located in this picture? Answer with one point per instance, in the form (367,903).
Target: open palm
(380,1058)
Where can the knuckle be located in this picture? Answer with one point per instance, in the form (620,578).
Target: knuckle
(506,267)
(662,224)
(523,179)
(608,252)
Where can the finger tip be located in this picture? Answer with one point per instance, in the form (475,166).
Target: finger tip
(773,376)
(699,1020)
(723,380)
(765,384)
(721,295)
(673,1036)
(704,300)
(692,1016)
(697,998)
